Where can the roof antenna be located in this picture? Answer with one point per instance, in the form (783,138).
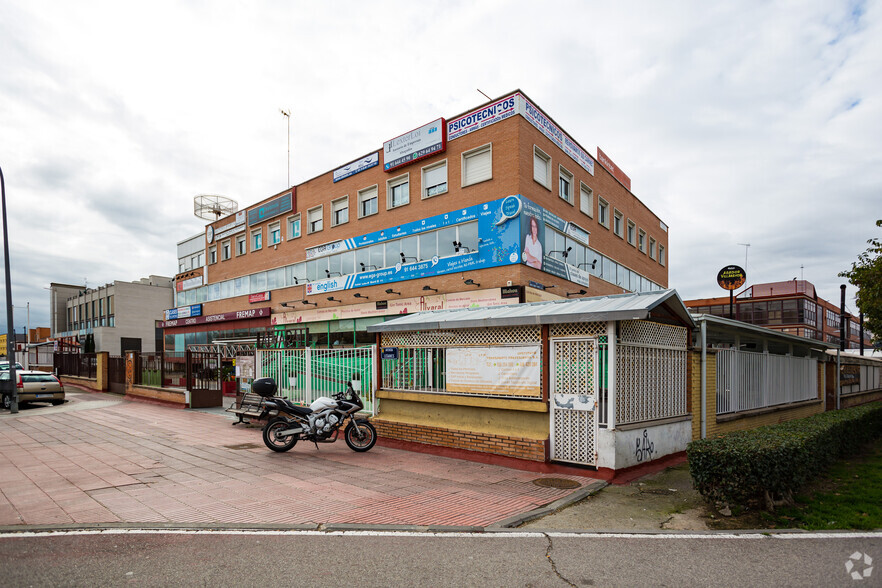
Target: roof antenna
(485,95)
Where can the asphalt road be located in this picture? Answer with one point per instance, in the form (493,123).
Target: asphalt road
(408,559)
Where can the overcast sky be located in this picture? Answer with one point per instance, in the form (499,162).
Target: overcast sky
(738,122)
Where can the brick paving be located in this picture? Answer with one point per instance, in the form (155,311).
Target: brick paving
(98,460)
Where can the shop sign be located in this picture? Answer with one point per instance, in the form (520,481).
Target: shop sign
(326,249)
(183,312)
(617,173)
(483,117)
(236,315)
(538,119)
(731,277)
(273,208)
(510,292)
(188,284)
(260,297)
(495,371)
(389,353)
(355,167)
(417,144)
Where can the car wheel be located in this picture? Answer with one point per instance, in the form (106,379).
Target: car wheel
(57,402)
(7,402)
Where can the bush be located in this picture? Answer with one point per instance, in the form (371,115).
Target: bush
(776,460)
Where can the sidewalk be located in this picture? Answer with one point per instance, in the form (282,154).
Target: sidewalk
(101,459)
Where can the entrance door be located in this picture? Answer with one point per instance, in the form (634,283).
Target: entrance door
(573,400)
(204,379)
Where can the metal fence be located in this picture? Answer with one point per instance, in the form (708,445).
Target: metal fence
(650,383)
(856,378)
(416,369)
(80,365)
(305,374)
(748,380)
(163,369)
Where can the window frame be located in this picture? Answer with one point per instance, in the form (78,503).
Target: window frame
(292,221)
(661,254)
(472,154)
(563,174)
(428,168)
(393,183)
(618,227)
(652,246)
(241,245)
(361,200)
(537,152)
(274,227)
(603,211)
(632,233)
(310,221)
(334,210)
(256,239)
(641,241)
(226,249)
(583,187)
(212,255)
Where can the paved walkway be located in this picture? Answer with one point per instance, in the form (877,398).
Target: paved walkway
(99,459)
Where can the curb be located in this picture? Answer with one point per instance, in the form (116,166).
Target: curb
(572,498)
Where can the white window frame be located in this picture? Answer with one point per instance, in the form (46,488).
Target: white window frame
(336,207)
(618,223)
(602,211)
(226,249)
(661,255)
(276,228)
(564,175)
(424,187)
(310,221)
(538,153)
(652,246)
(472,155)
(257,239)
(632,233)
(241,244)
(393,183)
(641,240)
(294,226)
(364,194)
(586,199)
(212,255)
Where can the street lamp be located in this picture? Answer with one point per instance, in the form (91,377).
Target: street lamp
(10,329)
(287,114)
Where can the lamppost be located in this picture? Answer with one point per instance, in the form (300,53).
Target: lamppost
(287,114)
(10,329)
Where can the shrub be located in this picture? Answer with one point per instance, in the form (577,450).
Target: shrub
(774,461)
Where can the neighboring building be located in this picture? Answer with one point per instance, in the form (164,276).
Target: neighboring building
(494,206)
(122,315)
(792,307)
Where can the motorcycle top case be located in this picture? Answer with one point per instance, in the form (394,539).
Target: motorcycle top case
(265,387)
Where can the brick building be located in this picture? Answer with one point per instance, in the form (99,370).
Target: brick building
(440,217)
(792,307)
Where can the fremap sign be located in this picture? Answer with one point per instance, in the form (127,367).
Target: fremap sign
(731,277)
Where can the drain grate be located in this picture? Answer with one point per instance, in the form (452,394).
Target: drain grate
(242,446)
(561,483)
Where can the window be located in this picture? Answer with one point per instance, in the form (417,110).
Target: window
(274,233)
(661,254)
(603,212)
(651,248)
(398,191)
(641,241)
(477,165)
(294,226)
(632,233)
(314,220)
(541,167)
(565,185)
(434,179)
(619,223)
(256,239)
(340,211)
(586,200)
(241,248)
(367,202)
(226,250)
(212,255)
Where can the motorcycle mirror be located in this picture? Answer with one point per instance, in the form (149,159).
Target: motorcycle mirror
(356,385)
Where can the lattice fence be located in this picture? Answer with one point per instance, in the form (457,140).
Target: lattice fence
(464,337)
(653,334)
(577,330)
(574,436)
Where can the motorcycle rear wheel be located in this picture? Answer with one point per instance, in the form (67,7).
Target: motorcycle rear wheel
(273,441)
(360,441)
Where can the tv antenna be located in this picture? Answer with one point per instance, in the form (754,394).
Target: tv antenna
(746,247)
(211,207)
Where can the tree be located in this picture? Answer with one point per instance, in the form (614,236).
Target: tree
(866,275)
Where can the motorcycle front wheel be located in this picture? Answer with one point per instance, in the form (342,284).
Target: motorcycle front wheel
(273,440)
(362,438)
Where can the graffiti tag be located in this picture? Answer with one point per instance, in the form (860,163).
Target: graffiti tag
(645,448)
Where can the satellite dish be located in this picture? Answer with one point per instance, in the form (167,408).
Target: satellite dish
(211,207)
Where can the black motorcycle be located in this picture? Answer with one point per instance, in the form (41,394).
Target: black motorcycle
(320,422)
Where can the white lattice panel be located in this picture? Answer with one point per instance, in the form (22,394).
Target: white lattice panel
(574,366)
(577,330)
(573,436)
(464,337)
(650,383)
(656,334)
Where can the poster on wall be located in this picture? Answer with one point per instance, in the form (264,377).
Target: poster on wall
(496,371)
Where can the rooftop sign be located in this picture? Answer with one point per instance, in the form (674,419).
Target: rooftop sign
(415,145)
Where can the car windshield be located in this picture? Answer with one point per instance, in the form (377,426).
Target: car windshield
(4,366)
(38,378)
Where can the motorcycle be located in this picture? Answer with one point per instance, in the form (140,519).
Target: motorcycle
(320,422)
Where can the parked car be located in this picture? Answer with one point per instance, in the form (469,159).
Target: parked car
(4,366)
(34,386)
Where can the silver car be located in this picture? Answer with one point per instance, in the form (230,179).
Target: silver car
(33,386)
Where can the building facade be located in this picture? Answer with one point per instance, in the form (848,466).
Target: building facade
(792,307)
(495,206)
(121,315)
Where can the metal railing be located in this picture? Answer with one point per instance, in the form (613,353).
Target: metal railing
(163,369)
(416,369)
(748,380)
(80,365)
(306,374)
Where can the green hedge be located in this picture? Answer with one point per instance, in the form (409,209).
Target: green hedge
(778,459)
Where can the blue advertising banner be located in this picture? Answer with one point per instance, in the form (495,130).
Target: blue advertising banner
(534,221)
(183,312)
(272,208)
(498,236)
(356,167)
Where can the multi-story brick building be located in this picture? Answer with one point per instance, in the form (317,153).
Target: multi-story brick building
(791,307)
(498,205)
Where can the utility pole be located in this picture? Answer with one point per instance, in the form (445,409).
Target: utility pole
(10,328)
(287,114)
(746,247)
